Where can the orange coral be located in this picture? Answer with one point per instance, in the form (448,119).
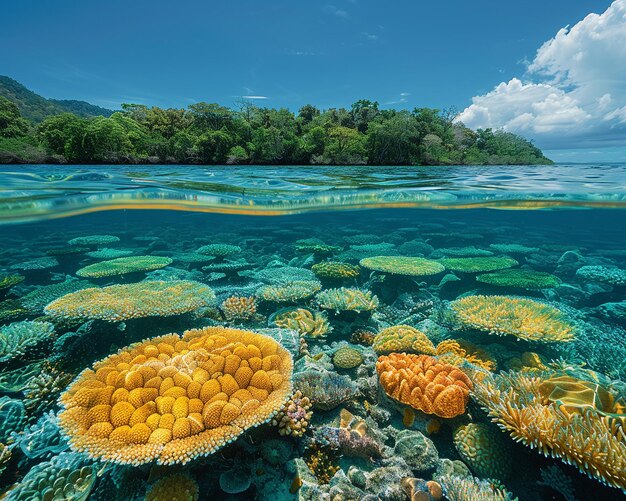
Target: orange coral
(424,383)
(239,308)
(455,351)
(172,399)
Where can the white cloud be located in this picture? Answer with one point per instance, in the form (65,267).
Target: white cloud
(574,91)
(255,97)
(335,11)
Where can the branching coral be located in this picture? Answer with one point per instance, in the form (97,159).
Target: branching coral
(43,389)
(477,264)
(238,308)
(583,428)
(424,383)
(519,317)
(525,279)
(290,293)
(174,487)
(455,352)
(143,299)
(308,324)
(293,419)
(484,450)
(457,488)
(335,270)
(9,280)
(36,300)
(401,265)
(173,399)
(402,338)
(123,266)
(22,339)
(345,299)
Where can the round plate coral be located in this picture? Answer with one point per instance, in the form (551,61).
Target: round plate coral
(402,265)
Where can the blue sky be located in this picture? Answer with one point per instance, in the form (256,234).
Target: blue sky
(288,53)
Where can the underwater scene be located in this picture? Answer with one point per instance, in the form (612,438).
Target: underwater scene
(273,333)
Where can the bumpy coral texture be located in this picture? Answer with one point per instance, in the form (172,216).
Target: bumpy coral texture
(520,317)
(477,264)
(346,299)
(144,299)
(402,338)
(457,352)
(124,265)
(347,358)
(290,293)
(335,270)
(308,324)
(424,383)
(401,265)
(550,413)
(238,308)
(484,450)
(172,399)
(293,419)
(175,487)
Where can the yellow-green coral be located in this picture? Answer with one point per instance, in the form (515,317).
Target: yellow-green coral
(477,264)
(402,338)
(123,266)
(345,299)
(291,292)
(484,450)
(241,308)
(21,339)
(402,265)
(94,240)
(219,250)
(9,280)
(520,317)
(457,352)
(335,270)
(172,399)
(347,358)
(307,323)
(526,279)
(174,487)
(143,299)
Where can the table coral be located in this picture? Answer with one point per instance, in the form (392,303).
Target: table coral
(335,270)
(477,264)
(347,299)
(125,301)
(520,317)
(219,250)
(123,266)
(424,383)
(37,299)
(291,292)
(402,338)
(175,398)
(402,265)
(524,279)
(94,240)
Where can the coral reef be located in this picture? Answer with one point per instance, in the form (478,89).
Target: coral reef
(424,383)
(309,324)
(40,263)
(402,339)
(219,250)
(293,419)
(484,450)
(36,300)
(24,340)
(94,240)
(335,270)
(477,264)
(457,488)
(290,293)
(524,279)
(520,317)
(458,351)
(345,299)
(174,487)
(172,398)
(123,266)
(9,280)
(238,308)
(603,274)
(401,265)
(126,301)
(326,390)
(347,358)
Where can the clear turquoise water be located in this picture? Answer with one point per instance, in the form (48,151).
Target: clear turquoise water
(566,217)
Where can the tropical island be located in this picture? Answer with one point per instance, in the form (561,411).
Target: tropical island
(34,129)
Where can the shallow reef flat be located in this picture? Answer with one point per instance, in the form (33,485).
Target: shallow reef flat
(368,355)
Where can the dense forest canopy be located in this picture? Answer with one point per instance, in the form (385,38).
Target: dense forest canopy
(208,133)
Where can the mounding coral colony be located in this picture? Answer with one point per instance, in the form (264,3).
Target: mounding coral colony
(391,359)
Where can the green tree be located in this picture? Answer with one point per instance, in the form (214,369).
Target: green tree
(11,122)
(345,146)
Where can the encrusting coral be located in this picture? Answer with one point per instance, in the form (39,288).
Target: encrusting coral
(520,317)
(293,419)
(402,265)
(402,339)
(123,266)
(563,416)
(143,299)
(171,399)
(424,383)
(345,299)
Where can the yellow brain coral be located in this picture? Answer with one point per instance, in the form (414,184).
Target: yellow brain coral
(424,383)
(402,338)
(143,299)
(172,398)
(520,317)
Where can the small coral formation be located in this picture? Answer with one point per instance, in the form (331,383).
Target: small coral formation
(477,264)
(5,457)
(12,417)
(576,421)
(94,240)
(21,340)
(106,253)
(174,487)
(484,450)
(143,299)
(219,250)
(401,265)
(520,317)
(40,263)
(68,250)
(603,274)
(457,351)
(123,266)
(9,280)
(42,390)
(513,249)
(325,389)
(171,399)
(293,419)
(315,246)
(421,490)
(323,461)
(335,270)
(347,299)
(12,309)
(527,361)
(347,358)
(402,339)
(309,324)
(238,308)
(524,279)
(290,293)
(363,337)
(424,383)
(458,488)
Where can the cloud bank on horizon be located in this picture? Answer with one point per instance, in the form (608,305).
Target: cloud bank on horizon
(574,92)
